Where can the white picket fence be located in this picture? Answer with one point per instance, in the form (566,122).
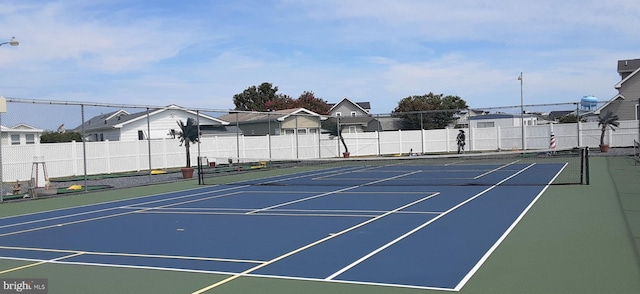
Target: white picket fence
(67,159)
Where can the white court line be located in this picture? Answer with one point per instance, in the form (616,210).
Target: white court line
(331,236)
(360,169)
(297,176)
(378,250)
(506,233)
(495,169)
(132,254)
(116,214)
(329,193)
(108,209)
(39,263)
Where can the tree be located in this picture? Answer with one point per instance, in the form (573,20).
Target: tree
(255,98)
(430,111)
(306,100)
(56,137)
(280,102)
(188,134)
(608,121)
(309,101)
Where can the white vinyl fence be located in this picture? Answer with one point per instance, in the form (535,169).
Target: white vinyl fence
(67,159)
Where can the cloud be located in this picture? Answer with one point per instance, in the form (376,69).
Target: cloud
(56,32)
(202,53)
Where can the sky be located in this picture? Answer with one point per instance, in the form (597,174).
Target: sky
(200,53)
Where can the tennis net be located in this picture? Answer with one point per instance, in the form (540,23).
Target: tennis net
(540,167)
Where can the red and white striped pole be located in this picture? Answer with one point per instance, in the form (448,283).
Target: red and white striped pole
(552,145)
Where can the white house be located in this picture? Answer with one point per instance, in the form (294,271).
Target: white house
(502,120)
(21,134)
(121,125)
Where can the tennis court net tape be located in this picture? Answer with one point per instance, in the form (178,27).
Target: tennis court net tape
(567,166)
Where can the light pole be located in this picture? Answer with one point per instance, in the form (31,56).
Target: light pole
(521,110)
(12,42)
(3,108)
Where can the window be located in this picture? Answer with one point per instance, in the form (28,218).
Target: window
(338,114)
(302,131)
(289,132)
(30,138)
(15,139)
(488,124)
(354,114)
(352,129)
(140,135)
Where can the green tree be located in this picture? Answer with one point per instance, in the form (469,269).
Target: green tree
(255,98)
(188,134)
(56,137)
(607,121)
(430,111)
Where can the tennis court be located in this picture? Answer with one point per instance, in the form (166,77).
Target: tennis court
(404,225)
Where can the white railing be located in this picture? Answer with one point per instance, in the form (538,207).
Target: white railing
(66,159)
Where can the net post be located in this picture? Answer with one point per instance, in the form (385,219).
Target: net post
(584,166)
(200,172)
(586,156)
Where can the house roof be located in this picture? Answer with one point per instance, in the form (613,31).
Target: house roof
(500,116)
(258,117)
(626,66)
(390,123)
(364,106)
(615,98)
(553,115)
(22,127)
(619,84)
(117,119)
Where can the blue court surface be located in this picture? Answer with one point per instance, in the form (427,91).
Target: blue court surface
(401,226)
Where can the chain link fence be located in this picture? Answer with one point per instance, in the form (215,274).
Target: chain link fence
(45,141)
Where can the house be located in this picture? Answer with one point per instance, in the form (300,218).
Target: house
(299,121)
(502,120)
(462,117)
(160,123)
(353,117)
(20,134)
(625,103)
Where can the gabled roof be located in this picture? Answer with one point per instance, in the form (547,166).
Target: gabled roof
(21,127)
(619,85)
(299,111)
(259,117)
(117,119)
(364,106)
(142,115)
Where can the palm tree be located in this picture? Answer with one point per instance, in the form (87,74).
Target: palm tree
(609,120)
(188,134)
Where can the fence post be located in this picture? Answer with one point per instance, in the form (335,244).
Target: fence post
(579,134)
(107,145)
(400,141)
